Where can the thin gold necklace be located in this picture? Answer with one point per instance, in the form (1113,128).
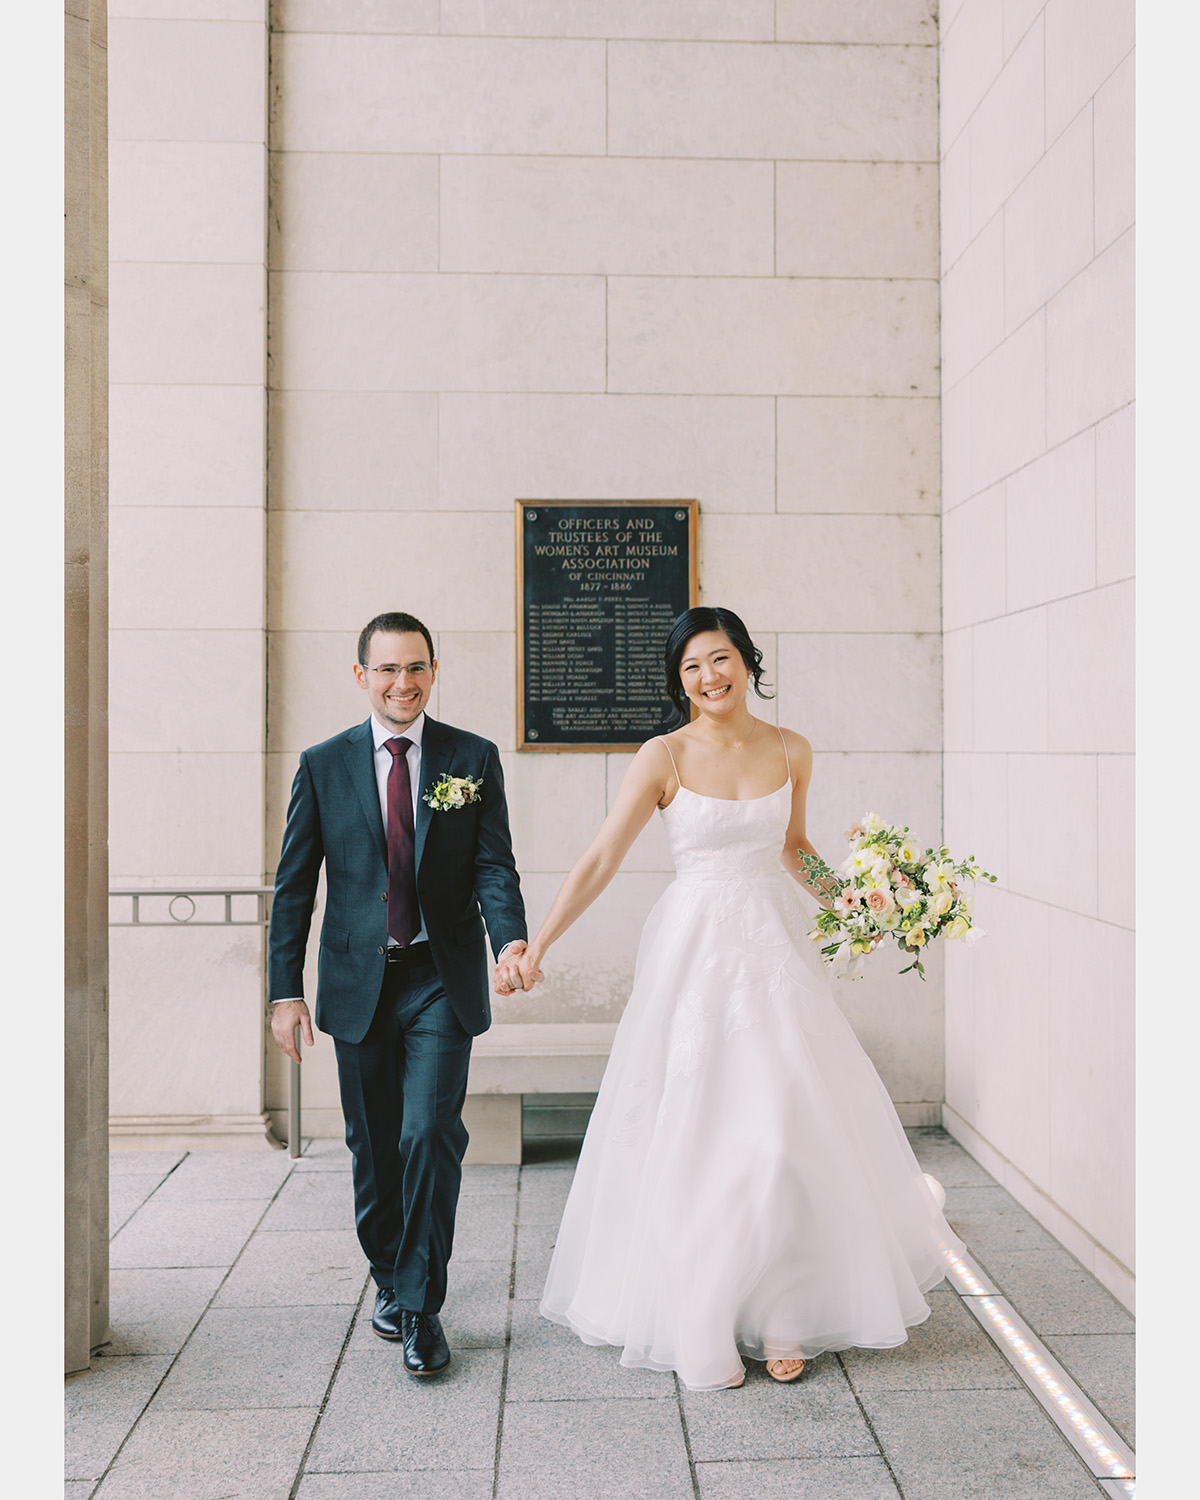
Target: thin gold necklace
(746,741)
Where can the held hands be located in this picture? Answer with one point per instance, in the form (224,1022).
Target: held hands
(285,1017)
(516,970)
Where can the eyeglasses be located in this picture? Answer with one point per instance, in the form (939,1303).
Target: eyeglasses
(390,673)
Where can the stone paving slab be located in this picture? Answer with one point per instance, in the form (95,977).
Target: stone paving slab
(324,1156)
(549,1363)
(975,1445)
(534,1245)
(942,1157)
(126,1195)
(209,1175)
(621,1450)
(1053,1293)
(140,1163)
(954,1421)
(102,1404)
(1102,1364)
(484,1226)
(186,1234)
(153,1311)
(210,1455)
(413,1484)
(380,1419)
(948,1351)
(295,1268)
(816,1415)
(482,1180)
(544,1196)
(990,1220)
(797,1479)
(248,1357)
(475,1315)
(312,1200)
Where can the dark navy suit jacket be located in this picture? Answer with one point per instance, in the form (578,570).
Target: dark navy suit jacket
(466,877)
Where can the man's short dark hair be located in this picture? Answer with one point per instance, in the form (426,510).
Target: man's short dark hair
(394,622)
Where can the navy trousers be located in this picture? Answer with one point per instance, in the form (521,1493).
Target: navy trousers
(402,1091)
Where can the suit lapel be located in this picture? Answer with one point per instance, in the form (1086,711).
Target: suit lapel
(359,751)
(436,749)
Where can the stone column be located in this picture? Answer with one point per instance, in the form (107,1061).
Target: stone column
(86,654)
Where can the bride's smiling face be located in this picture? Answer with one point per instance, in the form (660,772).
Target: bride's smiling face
(713,674)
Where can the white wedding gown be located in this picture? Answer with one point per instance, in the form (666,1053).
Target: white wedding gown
(745,1187)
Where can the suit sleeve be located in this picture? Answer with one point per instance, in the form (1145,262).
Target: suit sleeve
(497,886)
(295,888)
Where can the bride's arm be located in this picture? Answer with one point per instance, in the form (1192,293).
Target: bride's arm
(796,840)
(644,786)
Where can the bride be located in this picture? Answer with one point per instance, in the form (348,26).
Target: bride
(745,1189)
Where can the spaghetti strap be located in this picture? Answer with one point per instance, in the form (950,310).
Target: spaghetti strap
(662,741)
(786,756)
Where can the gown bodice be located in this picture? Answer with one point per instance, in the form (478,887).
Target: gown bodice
(711,838)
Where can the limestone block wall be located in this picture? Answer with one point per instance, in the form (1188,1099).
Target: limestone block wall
(1037,534)
(614,250)
(188,663)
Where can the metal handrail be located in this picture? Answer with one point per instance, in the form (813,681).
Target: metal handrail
(187,918)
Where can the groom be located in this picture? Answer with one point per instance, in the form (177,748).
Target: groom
(402,982)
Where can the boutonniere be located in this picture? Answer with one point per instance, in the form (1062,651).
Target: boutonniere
(453,791)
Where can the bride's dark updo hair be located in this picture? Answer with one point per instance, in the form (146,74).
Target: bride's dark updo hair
(695,622)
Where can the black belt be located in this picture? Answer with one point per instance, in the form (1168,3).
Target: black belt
(415,953)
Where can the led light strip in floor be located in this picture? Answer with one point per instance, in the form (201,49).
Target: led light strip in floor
(1107,1455)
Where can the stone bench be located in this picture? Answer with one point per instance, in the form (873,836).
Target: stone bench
(510,1061)
(507,1063)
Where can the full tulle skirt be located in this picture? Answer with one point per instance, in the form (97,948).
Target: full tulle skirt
(745,1188)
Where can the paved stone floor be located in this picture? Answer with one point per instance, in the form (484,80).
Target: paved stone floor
(242,1364)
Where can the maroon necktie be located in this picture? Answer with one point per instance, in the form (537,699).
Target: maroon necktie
(403,919)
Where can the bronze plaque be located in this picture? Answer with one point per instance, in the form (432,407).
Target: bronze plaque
(599,583)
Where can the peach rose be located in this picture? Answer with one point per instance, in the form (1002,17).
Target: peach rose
(879,901)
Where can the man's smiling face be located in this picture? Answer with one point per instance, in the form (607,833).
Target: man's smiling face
(398,677)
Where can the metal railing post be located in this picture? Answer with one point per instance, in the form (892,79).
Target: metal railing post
(293,1126)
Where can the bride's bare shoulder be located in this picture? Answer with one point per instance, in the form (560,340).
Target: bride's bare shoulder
(659,744)
(799,750)
(655,756)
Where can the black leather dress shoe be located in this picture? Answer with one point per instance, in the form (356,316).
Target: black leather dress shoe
(425,1349)
(385,1320)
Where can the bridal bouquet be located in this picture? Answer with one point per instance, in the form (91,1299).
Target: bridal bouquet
(892,887)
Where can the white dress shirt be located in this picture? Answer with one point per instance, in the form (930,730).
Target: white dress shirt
(383,765)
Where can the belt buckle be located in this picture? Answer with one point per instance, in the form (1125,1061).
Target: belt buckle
(397,954)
